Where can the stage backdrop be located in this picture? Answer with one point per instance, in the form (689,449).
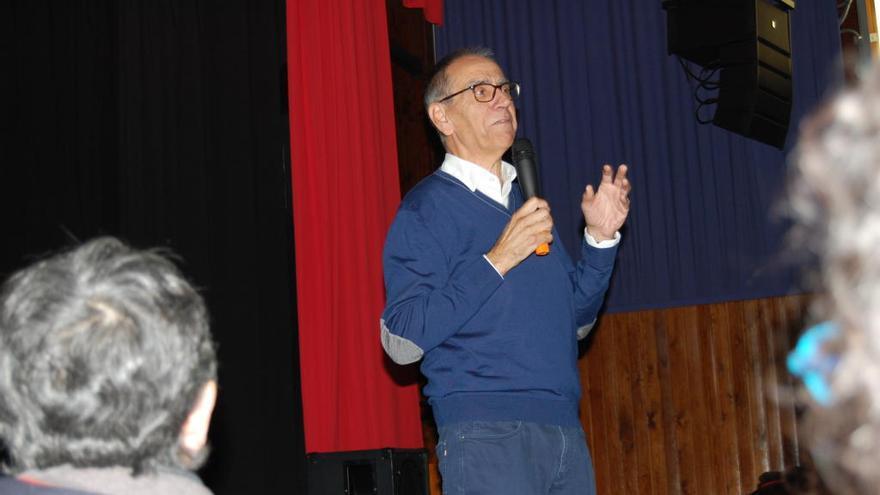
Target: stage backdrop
(163,123)
(345,193)
(599,87)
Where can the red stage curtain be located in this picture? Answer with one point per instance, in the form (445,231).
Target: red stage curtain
(433,9)
(345,193)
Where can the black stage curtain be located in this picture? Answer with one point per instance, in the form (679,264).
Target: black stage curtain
(164,123)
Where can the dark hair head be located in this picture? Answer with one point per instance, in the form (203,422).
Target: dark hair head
(103,352)
(438,85)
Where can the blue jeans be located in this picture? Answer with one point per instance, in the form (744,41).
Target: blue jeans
(514,458)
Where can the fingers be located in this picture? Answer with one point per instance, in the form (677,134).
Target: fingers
(528,222)
(539,219)
(543,237)
(533,204)
(616,180)
(607,177)
(621,180)
(624,183)
(621,173)
(536,239)
(529,208)
(533,215)
(589,193)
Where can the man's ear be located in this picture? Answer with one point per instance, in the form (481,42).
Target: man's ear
(438,116)
(194,432)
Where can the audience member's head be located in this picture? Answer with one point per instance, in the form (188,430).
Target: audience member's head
(835,198)
(106,360)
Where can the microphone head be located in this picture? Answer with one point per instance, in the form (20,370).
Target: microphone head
(522,149)
(526,164)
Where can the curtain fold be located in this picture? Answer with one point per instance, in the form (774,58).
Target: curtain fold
(433,9)
(598,87)
(345,193)
(162,123)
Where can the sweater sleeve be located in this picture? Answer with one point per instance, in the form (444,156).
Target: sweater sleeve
(590,278)
(427,300)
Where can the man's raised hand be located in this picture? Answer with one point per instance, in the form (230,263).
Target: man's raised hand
(606,209)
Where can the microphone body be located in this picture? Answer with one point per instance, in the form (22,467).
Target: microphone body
(526,164)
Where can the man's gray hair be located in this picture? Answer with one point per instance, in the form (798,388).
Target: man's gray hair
(835,199)
(104,350)
(438,86)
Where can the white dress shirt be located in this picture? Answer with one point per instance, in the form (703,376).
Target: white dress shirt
(477,178)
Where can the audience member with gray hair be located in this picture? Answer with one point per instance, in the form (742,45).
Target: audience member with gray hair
(835,198)
(107,375)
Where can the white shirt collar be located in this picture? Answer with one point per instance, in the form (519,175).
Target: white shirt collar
(477,178)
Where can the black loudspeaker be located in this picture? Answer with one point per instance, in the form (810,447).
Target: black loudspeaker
(369,472)
(750,42)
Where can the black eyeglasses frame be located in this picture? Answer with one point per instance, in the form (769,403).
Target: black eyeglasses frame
(514,91)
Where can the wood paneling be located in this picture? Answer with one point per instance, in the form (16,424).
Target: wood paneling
(687,400)
(691,399)
(411,40)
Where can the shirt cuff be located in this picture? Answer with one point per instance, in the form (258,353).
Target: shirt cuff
(493,266)
(596,244)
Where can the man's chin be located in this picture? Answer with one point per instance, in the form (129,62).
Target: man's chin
(506,138)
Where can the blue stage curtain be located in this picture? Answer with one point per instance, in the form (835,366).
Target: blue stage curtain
(599,87)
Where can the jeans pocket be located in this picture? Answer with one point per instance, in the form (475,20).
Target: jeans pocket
(490,430)
(450,463)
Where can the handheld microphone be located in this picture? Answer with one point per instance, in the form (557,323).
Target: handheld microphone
(526,164)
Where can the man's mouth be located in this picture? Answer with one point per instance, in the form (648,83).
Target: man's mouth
(501,121)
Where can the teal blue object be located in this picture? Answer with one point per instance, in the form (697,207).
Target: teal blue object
(812,364)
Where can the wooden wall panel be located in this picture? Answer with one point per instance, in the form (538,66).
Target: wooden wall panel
(687,400)
(411,41)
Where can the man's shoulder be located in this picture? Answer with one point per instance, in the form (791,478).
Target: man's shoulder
(435,191)
(436,204)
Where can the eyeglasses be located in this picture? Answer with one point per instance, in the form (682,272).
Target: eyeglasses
(485,92)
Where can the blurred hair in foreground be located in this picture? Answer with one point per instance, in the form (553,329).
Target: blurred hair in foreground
(834,198)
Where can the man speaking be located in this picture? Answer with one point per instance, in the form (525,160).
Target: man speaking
(496,326)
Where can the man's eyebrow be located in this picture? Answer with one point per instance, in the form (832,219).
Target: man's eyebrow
(474,82)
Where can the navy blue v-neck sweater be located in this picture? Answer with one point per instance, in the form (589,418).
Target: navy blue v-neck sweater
(492,348)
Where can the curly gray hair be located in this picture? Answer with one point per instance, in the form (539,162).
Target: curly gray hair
(835,199)
(103,352)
